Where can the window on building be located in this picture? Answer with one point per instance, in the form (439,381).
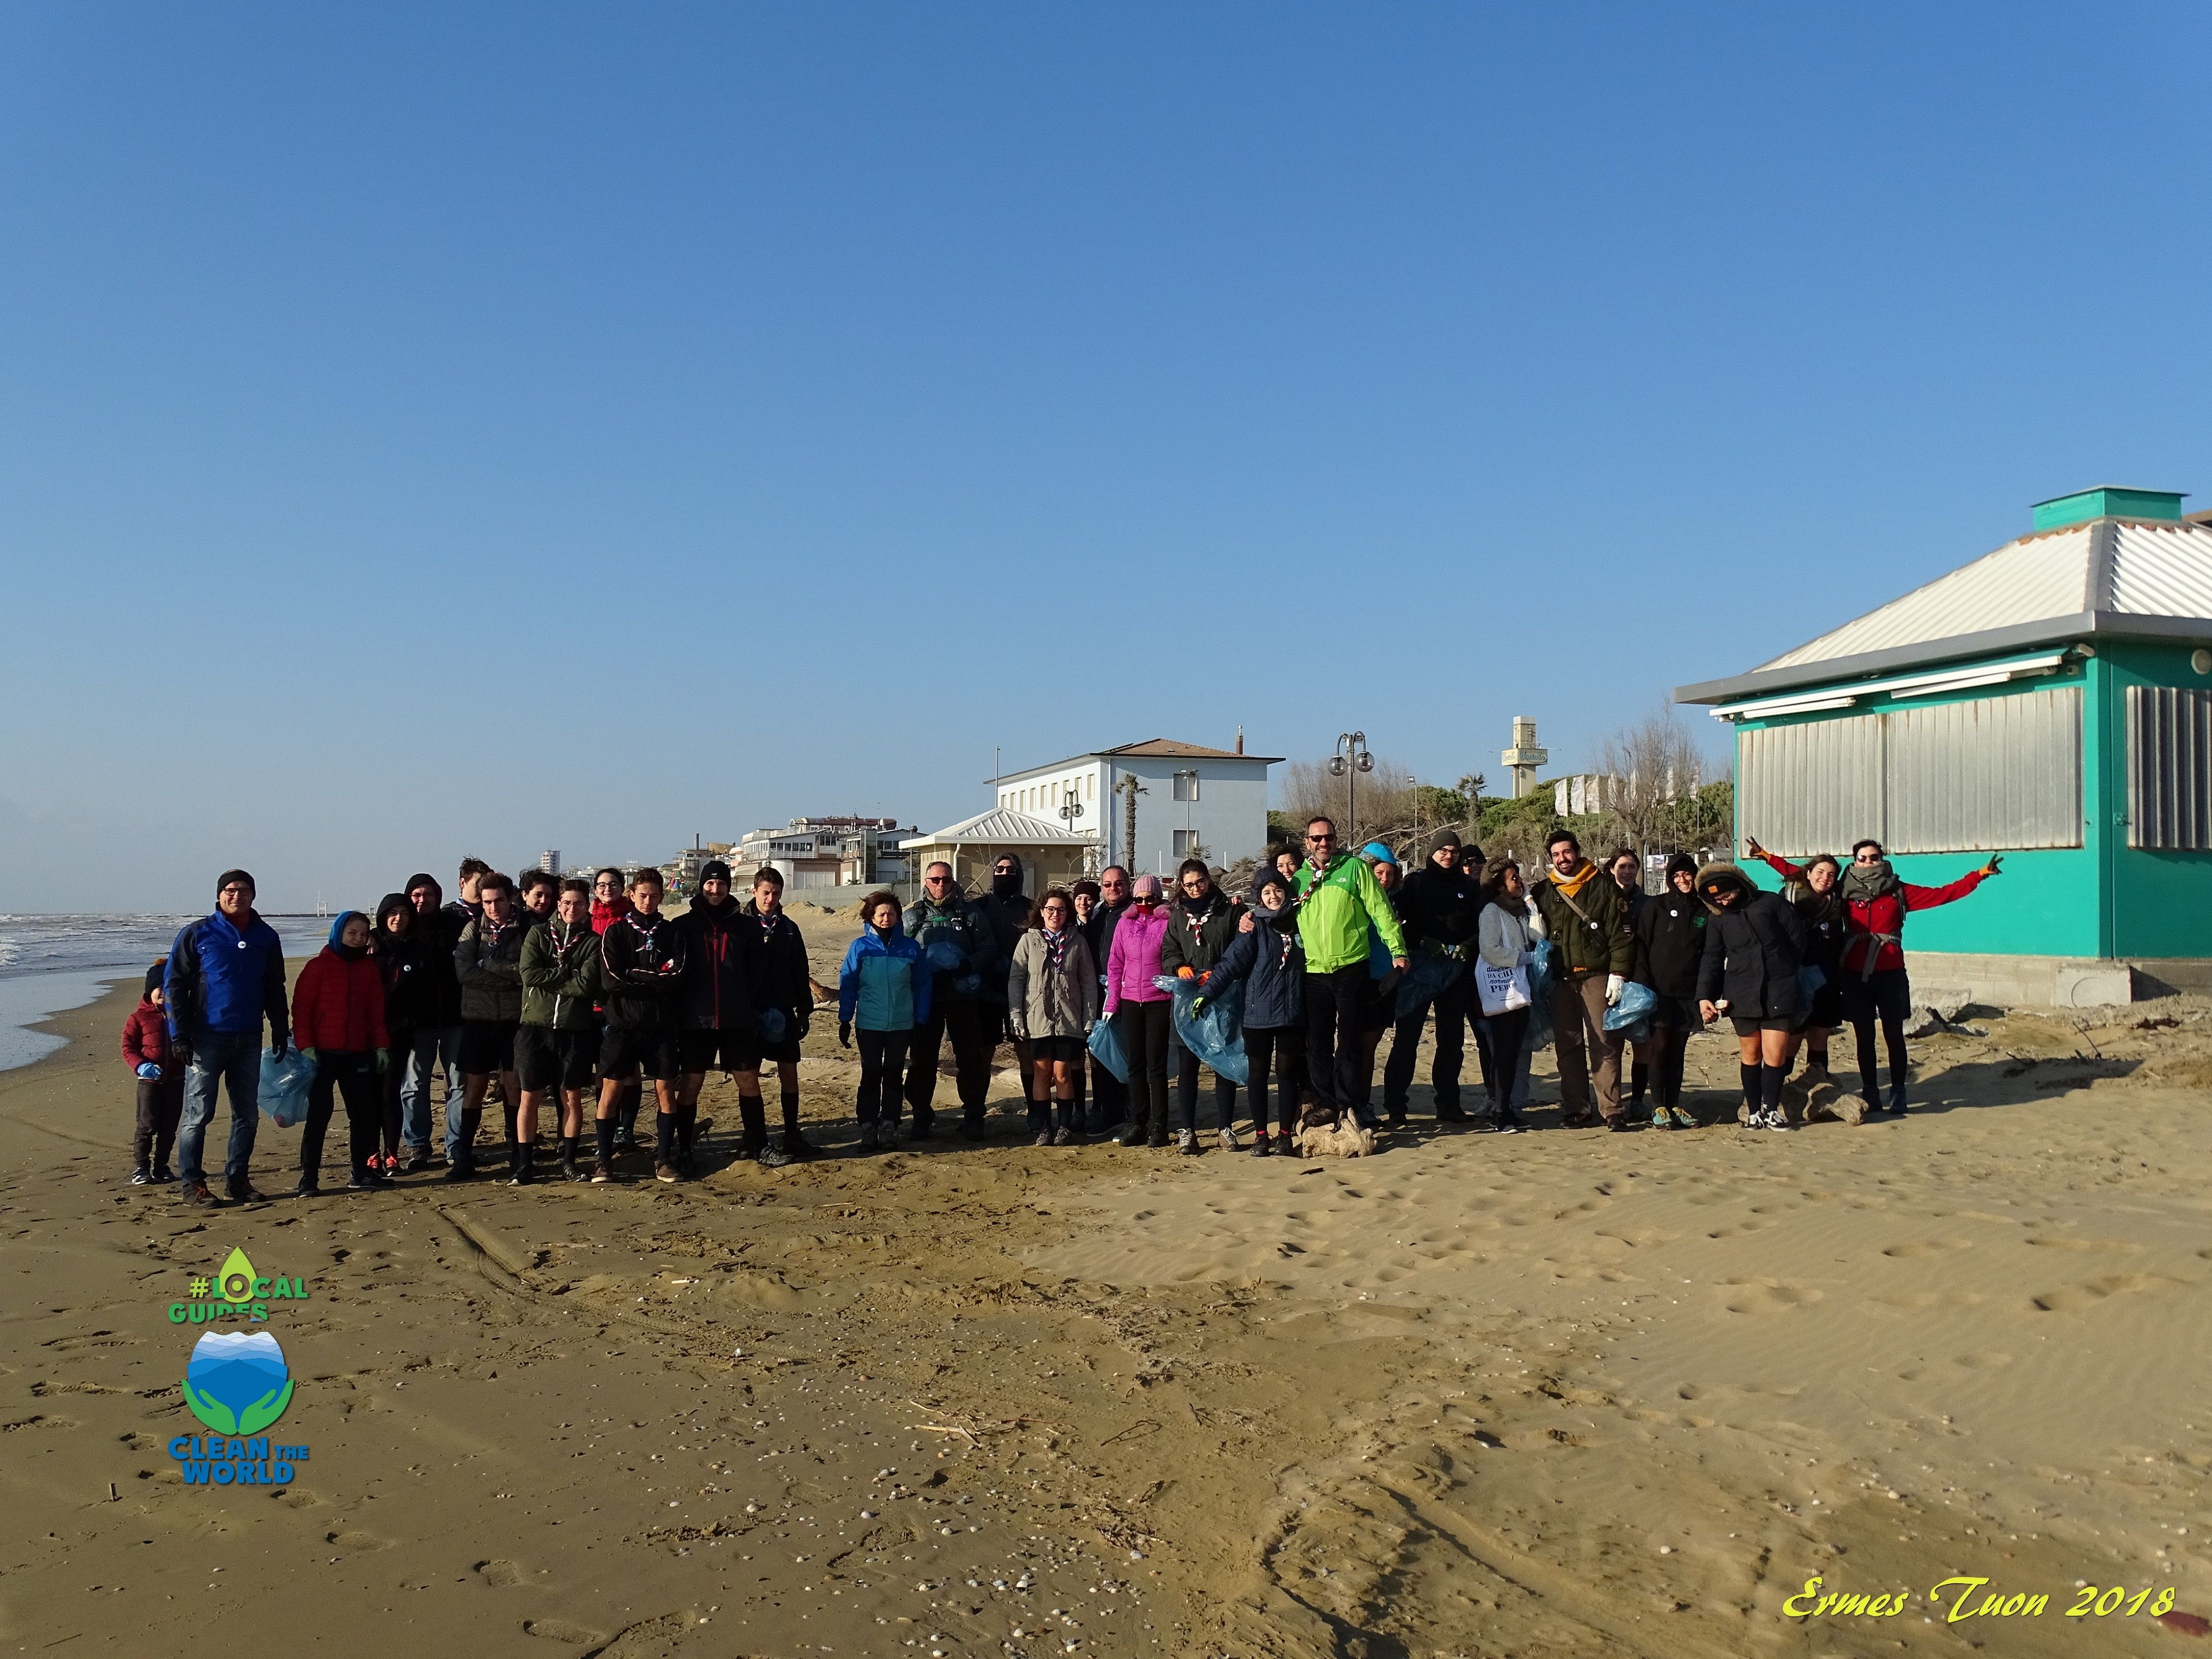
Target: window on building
(1186,786)
(2169,767)
(1186,843)
(1987,774)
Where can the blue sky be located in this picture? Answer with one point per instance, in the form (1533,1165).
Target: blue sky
(442,430)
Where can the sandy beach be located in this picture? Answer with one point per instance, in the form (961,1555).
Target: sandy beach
(1558,1393)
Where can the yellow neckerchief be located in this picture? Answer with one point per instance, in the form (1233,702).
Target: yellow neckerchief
(1574,887)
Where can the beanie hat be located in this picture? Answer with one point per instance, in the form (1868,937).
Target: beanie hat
(338,923)
(1145,886)
(1443,839)
(1378,852)
(154,978)
(713,870)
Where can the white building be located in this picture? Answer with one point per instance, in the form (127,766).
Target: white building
(1190,802)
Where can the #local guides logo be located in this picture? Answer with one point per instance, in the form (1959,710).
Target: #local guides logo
(236,1382)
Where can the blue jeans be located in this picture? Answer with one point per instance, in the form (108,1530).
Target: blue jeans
(220,1057)
(430,1044)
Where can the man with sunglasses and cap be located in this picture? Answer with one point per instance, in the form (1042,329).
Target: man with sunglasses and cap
(958,945)
(1339,902)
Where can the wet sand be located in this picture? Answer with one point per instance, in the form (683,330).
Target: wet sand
(1563,1393)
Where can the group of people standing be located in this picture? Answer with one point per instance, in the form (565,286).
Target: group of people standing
(572,996)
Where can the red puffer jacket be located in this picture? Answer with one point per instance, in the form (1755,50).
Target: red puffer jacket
(146,1037)
(339,1004)
(1864,919)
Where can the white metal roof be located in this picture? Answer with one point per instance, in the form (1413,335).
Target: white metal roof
(1001,827)
(2113,576)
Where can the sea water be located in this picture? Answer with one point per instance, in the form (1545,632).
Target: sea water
(50,964)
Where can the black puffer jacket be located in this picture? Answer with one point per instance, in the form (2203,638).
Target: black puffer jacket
(1753,949)
(1440,910)
(641,965)
(407,985)
(718,967)
(780,973)
(1670,937)
(1196,938)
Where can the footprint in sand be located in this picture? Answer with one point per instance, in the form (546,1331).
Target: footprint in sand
(356,1540)
(2089,1244)
(1914,1247)
(500,1575)
(1767,1296)
(2068,1296)
(559,1629)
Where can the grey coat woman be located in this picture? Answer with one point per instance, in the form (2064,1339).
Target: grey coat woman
(1052,990)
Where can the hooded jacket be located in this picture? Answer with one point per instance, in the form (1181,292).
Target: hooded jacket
(560,974)
(488,962)
(1196,938)
(641,972)
(1440,910)
(146,1039)
(1670,936)
(782,976)
(1753,949)
(1136,961)
(339,1003)
(227,980)
(407,987)
(1594,941)
(1272,965)
(1005,908)
(1049,1001)
(1877,924)
(1336,909)
(963,929)
(718,967)
(883,985)
(434,937)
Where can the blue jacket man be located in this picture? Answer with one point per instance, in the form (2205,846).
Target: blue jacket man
(225,976)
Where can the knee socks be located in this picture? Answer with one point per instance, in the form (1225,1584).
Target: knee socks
(568,1148)
(663,1136)
(791,1110)
(1752,1095)
(1639,1078)
(1771,1079)
(753,1111)
(603,1128)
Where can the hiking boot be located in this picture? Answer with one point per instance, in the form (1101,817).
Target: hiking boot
(971,1129)
(602,1173)
(870,1138)
(1229,1141)
(924,1125)
(1186,1143)
(242,1191)
(1398,1118)
(1132,1135)
(308,1190)
(665,1172)
(1155,1139)
(1063,1136)
(198,1194)
(141,1176)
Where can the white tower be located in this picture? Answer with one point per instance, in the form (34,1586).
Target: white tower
(1522,759)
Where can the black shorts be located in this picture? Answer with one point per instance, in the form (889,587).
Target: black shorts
(1745,1028)
(625,1051)
(725,1048)
(1888,994)
(487,1046)
(549,1059)
(776,1054)
(1068,1049)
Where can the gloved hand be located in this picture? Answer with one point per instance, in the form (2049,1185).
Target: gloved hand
(307,1054)
(1197,1006)
(149,1071)
(1991,868)
(383,1062)
(844,1033)
(1186,972)
(1019,1034)
(281,1044)
(1613,984)
(1089,1026)
(1752,848)
(1205,978)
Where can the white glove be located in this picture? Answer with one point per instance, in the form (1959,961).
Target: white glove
(1613,984)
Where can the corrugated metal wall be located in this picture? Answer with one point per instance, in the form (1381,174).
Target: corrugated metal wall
(1985,775)
(2169,767)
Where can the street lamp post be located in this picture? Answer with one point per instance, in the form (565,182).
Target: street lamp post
(1349,761)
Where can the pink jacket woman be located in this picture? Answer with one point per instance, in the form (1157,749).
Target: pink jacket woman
(1135,959)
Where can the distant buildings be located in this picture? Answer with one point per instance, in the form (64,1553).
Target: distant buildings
(829,852)
(550,861)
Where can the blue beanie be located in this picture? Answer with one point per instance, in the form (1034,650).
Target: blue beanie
(1379,852)
(337,927)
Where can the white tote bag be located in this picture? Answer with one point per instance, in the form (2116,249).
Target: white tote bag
(1502,989)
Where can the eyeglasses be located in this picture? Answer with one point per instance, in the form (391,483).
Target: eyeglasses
(234,889)
(936,881)
(1319,841)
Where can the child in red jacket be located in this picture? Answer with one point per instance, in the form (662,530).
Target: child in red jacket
(161,1082)
(338,1023)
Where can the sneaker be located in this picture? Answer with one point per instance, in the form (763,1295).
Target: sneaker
(460,1169)
(1398,1118)
(1157,1139)
(1229,1141)
(1776,1121)
(1452,1114)
(1043,1138)
(1134,1135)
(164,1176)
(568,1169)
(1262,1145)
(308,1190)
(663,1172)
(773,1156)
(870,1138)
(602,1172)
(1618,1126)
(1186,1143)
(924,1125)
(141,1176)
(1897,1100)
(1660,1120)
(368,1180)
(625,1137)
(198,1194)
(797,1146)
(893,1132)
(521,1177)
(1683,1118)
(1509,1123)
(412,1160)
(1063,1136)
(971,1129)
(242,1191)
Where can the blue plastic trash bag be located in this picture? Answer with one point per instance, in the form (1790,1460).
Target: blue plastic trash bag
(1426,978)
(1539,998)
(1106,1049)
(944,954)
(1629,1018)
(773,1025)
(1215,1035)
(284,1086)
(1810,979)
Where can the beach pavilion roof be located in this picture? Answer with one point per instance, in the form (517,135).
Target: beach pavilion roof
(2142,572)
(999,826)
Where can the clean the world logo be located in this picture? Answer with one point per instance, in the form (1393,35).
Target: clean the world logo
(236,1382)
